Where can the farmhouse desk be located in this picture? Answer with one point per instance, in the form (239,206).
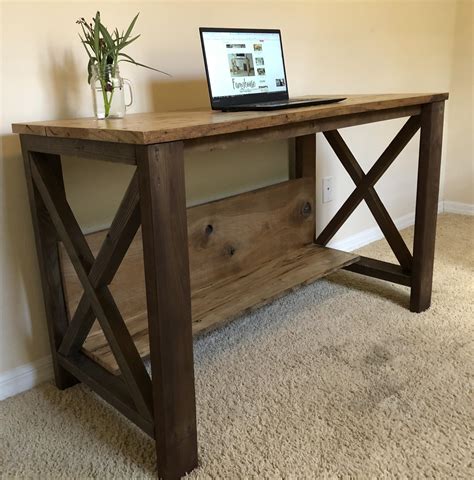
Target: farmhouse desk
(113,298)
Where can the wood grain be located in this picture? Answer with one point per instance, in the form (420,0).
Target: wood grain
(114,247)
(227,239)
(372,199)
(168,302)
(373,175)
(46,240)
(291,130)
(219,303)
(305,158)
(112,388)
(93,149)
(304,166)
(429,168)
(231,235)
(103,304)
(148,128)
(379,269)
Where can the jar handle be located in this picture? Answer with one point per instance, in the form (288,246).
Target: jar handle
(129,85)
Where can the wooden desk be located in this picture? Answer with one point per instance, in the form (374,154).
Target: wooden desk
(205,264)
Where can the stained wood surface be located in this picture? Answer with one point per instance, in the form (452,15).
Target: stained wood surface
(379,269)
(427,192)
(368,181)
(216,304)
(225,237)
(303,165)
(168,301)
(46,240)
(228,240)
(107,261)
(112,388)
(45,178)
(148,128)
(292,130)
(372,199)
(234,234)
(93,149)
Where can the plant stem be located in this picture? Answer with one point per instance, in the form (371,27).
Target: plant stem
(110,100)
(107,100)
(104,96)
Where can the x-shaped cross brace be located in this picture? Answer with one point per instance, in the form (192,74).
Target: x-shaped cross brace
(95,274)
(365,190)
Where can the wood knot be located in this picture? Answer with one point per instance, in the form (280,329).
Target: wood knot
(230,250)
(306,209)
(209,229)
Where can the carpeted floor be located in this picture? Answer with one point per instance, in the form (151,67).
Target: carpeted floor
(336,380)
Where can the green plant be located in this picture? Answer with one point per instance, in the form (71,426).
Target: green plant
(105,51)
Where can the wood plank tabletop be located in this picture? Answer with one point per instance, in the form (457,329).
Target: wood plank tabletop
(148,128)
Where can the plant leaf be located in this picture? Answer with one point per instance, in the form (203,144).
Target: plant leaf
(130,27)
(96,34)
(124,44)
(146,66)
(85,47)
(121,54)
(108,39)
(86,34)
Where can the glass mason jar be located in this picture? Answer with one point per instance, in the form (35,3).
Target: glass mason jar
(108,94)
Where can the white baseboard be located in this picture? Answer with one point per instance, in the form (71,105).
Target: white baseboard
(457,207)
(369,235)
(24,377)
(28,376)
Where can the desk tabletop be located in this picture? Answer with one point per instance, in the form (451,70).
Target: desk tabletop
(148,128)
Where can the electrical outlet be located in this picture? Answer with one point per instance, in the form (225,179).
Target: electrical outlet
(327,189)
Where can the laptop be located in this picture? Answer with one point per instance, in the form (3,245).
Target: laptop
(245,70)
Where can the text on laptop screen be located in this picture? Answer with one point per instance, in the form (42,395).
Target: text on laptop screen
(240,63)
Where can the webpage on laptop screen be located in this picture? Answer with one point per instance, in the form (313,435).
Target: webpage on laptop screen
(239,63)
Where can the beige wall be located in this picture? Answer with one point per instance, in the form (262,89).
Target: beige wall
(459,183)
(330,47)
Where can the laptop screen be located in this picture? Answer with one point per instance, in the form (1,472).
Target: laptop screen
(243,65)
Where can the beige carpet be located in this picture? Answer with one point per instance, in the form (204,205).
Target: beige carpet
(337,380)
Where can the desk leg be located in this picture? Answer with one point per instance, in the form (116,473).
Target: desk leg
(48,258)
(426,205)
(305,166)
(165,249)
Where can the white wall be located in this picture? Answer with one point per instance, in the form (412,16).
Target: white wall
(459,185)
(330,47)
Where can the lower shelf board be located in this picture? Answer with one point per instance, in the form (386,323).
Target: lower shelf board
(216,304)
